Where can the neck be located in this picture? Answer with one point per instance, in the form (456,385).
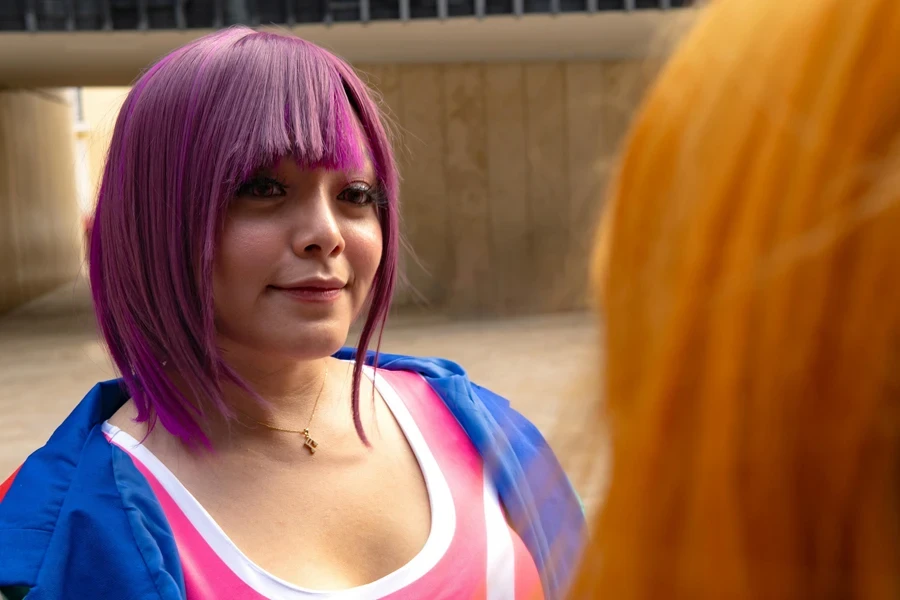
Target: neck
(297,394)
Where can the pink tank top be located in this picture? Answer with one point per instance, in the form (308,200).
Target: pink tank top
(471,552)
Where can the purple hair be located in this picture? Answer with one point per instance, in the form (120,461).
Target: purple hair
(193,127)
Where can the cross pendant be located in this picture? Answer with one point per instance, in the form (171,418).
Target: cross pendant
(310,443)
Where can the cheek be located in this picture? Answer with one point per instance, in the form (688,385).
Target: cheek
(364,251)
(245,254)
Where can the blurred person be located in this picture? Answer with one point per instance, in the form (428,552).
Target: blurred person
(748,272)
(247,214)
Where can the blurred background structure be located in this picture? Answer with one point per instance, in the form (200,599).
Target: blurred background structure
(508,114)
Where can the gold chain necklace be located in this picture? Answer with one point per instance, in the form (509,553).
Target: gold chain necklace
(310,443)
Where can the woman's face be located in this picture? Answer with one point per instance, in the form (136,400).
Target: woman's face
(296,260)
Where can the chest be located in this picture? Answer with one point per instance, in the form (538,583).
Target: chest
(326,528)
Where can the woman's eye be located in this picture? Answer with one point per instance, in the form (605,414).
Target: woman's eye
(359,194)
(261,187)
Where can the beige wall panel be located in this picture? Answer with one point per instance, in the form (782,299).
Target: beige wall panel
(39,227)
(588,168)
(546,150)
(10,288)
(385,80)
(425,204)
(101,109)
(512,230)
(625,83)
(472,288)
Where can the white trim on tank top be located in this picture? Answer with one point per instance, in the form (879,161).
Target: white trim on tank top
(501,554)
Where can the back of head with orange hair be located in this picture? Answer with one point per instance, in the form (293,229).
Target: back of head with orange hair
(751,289)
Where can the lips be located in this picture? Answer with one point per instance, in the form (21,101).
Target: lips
(316,295)
(318,290)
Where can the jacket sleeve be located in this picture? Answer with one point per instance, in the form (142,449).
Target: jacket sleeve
(102,533)
(523,426)
(542,504)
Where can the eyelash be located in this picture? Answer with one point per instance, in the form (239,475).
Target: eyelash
(370,195)
(245,190)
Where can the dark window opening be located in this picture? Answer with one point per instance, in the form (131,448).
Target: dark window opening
(460,8)
(423,9)
(12,15)
(380,10)
(498,7)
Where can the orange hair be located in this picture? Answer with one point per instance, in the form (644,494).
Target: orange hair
(751,290)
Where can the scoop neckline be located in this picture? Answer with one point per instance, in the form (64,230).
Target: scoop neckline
(442,508)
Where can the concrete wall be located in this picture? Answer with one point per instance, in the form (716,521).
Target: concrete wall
(40,244)
(100,107)
(504,166)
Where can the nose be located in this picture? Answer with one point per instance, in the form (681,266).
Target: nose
(317,233)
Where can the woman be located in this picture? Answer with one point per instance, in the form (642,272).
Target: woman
(247,215)
(750,272)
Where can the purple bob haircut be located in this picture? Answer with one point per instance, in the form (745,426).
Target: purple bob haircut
(193,128)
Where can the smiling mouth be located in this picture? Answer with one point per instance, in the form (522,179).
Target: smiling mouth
(311,294)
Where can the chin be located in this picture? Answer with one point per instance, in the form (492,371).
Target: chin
(310,342)
(293,339)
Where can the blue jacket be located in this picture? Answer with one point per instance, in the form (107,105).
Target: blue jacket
(80,521)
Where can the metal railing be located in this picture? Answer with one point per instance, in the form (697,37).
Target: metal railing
(109,15)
